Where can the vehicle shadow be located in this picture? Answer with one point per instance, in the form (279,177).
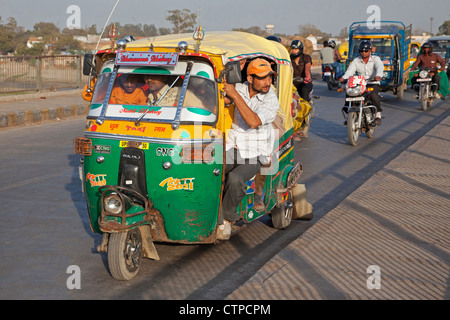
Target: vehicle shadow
(79,199)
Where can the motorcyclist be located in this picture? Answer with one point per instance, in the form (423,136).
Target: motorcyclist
(336,58)
(371,67)
(428,59)
(326,55)
(302,68)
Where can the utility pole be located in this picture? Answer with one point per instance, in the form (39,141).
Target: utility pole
(431,26)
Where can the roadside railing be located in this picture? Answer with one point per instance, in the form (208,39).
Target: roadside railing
(40,73)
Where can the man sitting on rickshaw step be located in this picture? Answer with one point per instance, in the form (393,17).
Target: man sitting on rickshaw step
(251,138)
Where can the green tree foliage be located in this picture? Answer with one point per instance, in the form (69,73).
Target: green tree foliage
(305,30)
(182,20)
(444,29)
(254,30)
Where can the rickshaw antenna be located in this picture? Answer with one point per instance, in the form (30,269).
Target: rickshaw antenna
(107,21)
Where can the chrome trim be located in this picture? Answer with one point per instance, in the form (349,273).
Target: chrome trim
(101,118)
(176,121)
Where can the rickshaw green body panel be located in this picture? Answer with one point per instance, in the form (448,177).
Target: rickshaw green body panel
(187,195)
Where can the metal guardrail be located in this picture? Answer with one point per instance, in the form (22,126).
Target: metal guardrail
(38,73)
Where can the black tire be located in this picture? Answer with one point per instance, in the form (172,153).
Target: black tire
(282,215)
(125,254)
(352,130)
(329,83)
(423,99)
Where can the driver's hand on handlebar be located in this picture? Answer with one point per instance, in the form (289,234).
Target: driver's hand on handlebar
(341,79)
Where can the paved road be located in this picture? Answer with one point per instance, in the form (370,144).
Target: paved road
(45,226)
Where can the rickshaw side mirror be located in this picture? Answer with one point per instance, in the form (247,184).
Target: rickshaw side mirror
(88,65)
(233,72)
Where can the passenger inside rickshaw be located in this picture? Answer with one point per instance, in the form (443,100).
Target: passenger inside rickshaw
(127,90)
(157,89)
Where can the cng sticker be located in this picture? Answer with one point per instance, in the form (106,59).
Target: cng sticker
(134,144)
(178,184)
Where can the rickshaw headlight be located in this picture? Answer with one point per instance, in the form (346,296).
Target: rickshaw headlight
(113,203)
(423,74)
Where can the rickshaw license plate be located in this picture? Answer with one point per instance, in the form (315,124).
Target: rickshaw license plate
(134,144)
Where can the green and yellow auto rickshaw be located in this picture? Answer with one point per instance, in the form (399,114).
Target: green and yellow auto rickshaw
(153,171)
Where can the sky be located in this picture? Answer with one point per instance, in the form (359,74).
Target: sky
(329,16)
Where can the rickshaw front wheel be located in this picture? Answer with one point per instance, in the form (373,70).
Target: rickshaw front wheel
(125,254)
(282,215)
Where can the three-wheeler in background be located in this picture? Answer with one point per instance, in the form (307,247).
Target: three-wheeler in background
(153,171)
(391,41)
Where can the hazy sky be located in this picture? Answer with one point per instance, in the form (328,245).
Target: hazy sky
(286,15)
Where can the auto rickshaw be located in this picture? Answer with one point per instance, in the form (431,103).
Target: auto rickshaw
(153,172)
(391,42)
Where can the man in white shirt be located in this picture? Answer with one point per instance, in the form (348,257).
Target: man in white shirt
(251,138)
(371,67)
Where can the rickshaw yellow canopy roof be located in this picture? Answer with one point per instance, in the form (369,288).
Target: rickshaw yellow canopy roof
(234,45)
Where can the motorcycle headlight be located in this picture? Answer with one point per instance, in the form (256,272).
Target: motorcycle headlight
(353,92)
(113,203)
(423,74)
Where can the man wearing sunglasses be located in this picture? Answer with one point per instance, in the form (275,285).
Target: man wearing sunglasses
(371,67)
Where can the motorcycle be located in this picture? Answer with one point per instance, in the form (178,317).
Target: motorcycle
(329,75)
(359,113)
(425,87)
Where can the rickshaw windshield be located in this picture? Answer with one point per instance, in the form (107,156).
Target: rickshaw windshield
(380,46)
(137,89)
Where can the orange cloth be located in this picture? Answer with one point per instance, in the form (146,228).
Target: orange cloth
(119,96)
(88,95)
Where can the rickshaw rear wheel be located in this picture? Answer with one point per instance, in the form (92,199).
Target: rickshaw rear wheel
(282,215)
(125,254)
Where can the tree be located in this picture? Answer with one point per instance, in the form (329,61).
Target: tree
(66,43)
(306,29)
(181,20)
(444,29)
(254,30)
(11,35)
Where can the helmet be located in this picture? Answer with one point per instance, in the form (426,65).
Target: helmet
(297,44)
(365,45)
(427,45)
(332,44)
(273,38)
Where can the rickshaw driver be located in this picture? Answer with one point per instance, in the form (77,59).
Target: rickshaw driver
(127,92)
(250,139)
(155,87)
